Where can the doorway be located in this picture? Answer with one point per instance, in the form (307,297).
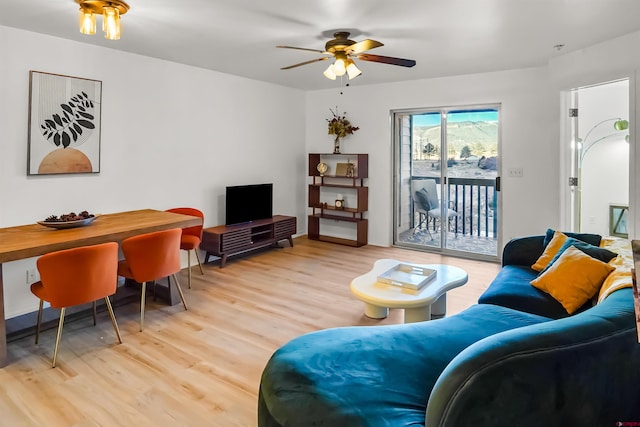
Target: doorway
(446,180)
(600,158)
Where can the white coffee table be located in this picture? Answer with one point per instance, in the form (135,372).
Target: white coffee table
(418,305)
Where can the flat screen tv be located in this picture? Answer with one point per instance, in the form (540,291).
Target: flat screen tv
(246,203)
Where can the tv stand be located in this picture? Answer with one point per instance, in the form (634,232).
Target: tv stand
(227,240)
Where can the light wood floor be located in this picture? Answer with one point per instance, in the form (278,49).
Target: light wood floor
(201,367)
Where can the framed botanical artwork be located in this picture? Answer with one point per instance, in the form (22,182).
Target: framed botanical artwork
(618,220)
(64,124)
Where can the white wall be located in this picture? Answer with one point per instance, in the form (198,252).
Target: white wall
(608,61)
(529,133)
(532,118)
(172,135)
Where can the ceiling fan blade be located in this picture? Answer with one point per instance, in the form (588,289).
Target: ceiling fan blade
(363,45)
(387,60)
(302,48)
(305,63)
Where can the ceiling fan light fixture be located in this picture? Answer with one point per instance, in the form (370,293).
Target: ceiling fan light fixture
(328,73)
(343,51)
(110,11)
(352,70)
(338,67)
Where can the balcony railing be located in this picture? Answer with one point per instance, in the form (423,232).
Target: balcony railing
(475,200)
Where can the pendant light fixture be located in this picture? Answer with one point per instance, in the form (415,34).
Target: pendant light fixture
(110,11)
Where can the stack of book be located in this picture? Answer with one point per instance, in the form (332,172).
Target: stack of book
(408,276)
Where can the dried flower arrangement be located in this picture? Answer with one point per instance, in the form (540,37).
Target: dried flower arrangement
(339,126)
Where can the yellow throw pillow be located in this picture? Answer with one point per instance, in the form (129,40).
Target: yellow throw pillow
(550,251)
(573,279)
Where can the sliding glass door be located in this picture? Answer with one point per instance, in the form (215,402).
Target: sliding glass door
(446,180)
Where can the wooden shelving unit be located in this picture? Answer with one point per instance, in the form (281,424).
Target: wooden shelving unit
(356,206)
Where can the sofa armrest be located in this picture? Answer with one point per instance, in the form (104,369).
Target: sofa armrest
(523,251)
(580,371)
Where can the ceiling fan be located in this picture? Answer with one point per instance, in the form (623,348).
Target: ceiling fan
(344,51)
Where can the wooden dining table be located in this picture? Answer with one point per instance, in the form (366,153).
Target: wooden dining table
(27,241)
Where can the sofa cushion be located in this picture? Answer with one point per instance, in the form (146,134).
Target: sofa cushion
(573,279)
(512,288)
(592,239)
(596,252)
(373,376)
(550,251)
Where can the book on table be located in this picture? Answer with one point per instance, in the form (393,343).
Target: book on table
(408,276)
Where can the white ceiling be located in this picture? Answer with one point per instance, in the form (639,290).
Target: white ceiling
(449,37)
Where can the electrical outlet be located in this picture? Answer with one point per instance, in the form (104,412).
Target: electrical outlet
(32,276)
(516,172)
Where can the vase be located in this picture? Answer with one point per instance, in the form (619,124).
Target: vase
(336,145)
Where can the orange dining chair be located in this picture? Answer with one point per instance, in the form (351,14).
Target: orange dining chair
(77,276)
(191,237)
(149,257)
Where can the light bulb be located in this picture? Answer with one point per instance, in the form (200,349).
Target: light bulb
(339,67)
(352,70)
(328,73)
(87,21)
(111,22)
(621,125)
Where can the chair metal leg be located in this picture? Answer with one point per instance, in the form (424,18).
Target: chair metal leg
(189,265)
(199,263)
(58,336)
(113,318)
(155,282)
(423,219)
(39,320)
(429,233)
(179,288)
(95,311)
(144,291)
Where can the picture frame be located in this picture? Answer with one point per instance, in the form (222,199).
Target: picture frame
(64,134)
(341,169)
(346,169)
(618,215)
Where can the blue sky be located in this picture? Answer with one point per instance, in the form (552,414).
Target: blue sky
(433,119)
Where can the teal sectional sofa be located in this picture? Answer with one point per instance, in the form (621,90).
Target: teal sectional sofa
(514,359)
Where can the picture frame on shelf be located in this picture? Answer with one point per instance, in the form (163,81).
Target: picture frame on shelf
(346,169)
(618,215)
(341,169)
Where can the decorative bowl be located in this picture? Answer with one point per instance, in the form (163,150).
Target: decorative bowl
(68,224)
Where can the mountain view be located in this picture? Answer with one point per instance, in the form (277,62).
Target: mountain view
(481,138)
